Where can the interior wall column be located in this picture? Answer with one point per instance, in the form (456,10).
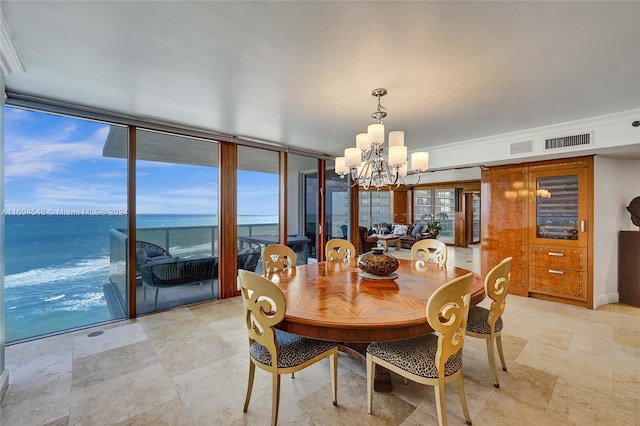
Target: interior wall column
(227,219)
(354,220)
(282,198)
(321,214)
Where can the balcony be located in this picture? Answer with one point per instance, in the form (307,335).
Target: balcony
(183,242)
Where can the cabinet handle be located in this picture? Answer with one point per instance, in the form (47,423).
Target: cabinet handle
(556,254)
(582,226)
(553,271)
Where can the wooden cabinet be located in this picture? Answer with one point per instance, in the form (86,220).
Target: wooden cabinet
(543,212)
(559,272)
(503,225)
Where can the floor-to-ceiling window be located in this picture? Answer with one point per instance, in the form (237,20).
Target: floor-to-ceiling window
(475,218)
(436,205)
(176,220)
(258,201)
(62,198)
(374,208)
(66,214)
(311,212)
(337,205)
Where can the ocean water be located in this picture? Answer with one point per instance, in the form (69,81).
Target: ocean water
(56,266)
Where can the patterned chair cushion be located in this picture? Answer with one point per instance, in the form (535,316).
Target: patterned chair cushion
(478,321)
(294,349)
(415,355)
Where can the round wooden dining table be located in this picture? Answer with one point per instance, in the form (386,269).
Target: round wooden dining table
(331,301)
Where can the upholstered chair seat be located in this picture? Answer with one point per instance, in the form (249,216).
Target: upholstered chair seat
(479,321)
(416,356)
(294,350)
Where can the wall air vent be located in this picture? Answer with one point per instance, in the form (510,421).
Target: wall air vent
(567,141)
(520,147)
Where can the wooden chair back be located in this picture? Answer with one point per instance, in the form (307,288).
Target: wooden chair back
(339,249)
(447,313)
(496,286)
(430,250)
(264,306)
(277,257)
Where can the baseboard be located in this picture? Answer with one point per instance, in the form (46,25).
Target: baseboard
(4,383)
(605,299)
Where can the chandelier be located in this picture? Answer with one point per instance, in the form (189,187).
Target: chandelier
(365,164)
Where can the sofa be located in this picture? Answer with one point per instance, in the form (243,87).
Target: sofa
(409,233)
(177,272)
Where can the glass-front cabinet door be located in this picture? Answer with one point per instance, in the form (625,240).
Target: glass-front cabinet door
(558,207)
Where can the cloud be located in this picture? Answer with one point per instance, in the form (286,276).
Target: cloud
(31,157)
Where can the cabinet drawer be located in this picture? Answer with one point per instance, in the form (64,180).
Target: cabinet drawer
(558,282)
(572,259)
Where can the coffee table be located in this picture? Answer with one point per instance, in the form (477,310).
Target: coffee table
(390,239)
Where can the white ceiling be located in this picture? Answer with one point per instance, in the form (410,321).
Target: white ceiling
(301,73)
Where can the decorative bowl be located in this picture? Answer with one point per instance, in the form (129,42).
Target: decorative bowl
(377,262)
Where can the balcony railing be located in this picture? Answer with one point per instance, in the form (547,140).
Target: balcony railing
(186,242)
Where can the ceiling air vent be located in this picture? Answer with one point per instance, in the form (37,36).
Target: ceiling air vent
(567,141)
(520,147)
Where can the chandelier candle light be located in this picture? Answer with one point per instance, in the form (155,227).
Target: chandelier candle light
(365,163)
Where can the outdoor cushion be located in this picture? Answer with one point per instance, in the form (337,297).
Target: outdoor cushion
(151,252)
(161,259)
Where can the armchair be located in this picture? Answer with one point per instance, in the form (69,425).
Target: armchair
(365,241)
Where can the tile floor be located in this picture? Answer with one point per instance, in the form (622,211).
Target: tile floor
(188,366)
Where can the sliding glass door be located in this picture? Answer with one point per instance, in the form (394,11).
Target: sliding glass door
(176,222)
(63,197)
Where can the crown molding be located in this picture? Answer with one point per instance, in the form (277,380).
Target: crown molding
(10,60)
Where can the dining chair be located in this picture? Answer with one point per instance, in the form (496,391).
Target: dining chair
(265,306)
(431,359)
(277,257)
(339,249)
(487,323)
(430,250)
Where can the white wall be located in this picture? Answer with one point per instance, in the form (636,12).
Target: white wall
(616,183)
(611,132)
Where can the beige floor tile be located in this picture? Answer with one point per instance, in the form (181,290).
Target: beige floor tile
(191,347)
(39,397)
(115,400)
(579,405)
(501,409)
(169,414)
(222,382)
(352,404)
(116,362)
(109,338)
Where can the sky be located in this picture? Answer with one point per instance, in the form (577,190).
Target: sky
(54,164)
